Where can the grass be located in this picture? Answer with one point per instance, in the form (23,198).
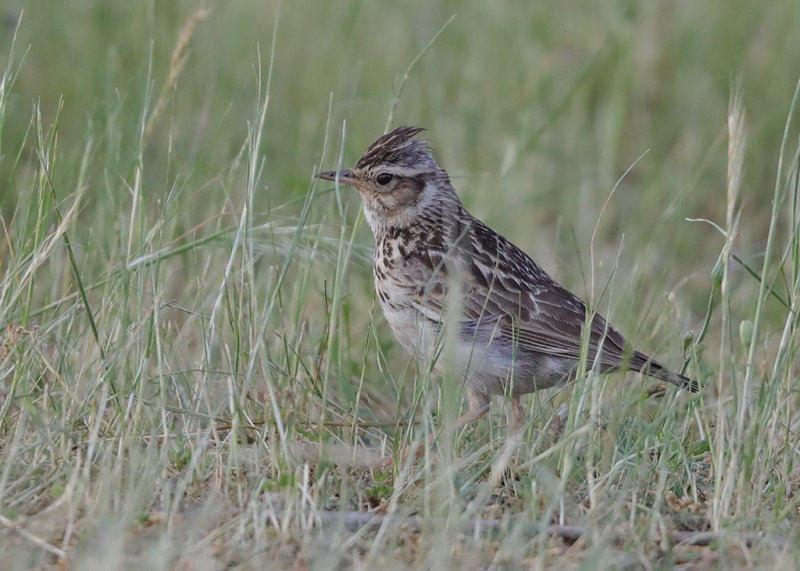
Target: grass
(193,368)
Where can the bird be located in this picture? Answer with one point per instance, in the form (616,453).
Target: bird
(517,329)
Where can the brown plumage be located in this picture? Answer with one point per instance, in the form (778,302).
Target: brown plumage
(519,331)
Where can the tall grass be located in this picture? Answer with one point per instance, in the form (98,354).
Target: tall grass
(193,368)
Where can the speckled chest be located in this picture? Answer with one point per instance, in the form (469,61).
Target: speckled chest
(395,285)
(396,268)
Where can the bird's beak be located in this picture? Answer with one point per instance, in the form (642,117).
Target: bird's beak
(344,176)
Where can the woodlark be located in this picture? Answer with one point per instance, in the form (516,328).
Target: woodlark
(517,329)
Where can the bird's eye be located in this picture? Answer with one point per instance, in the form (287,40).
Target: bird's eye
(384,178)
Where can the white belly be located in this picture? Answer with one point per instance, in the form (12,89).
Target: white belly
(414,332)
(421,337)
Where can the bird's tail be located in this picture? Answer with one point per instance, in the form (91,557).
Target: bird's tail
(645,365)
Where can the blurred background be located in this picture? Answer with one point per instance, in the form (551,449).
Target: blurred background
(536,109)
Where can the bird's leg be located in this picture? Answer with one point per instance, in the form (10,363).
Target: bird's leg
(516,415)
(478,407)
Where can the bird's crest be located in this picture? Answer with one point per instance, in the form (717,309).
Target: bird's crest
(397,147)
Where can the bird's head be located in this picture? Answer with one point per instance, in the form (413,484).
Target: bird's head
(397,178)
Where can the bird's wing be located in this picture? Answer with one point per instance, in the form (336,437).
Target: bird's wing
(507,293)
